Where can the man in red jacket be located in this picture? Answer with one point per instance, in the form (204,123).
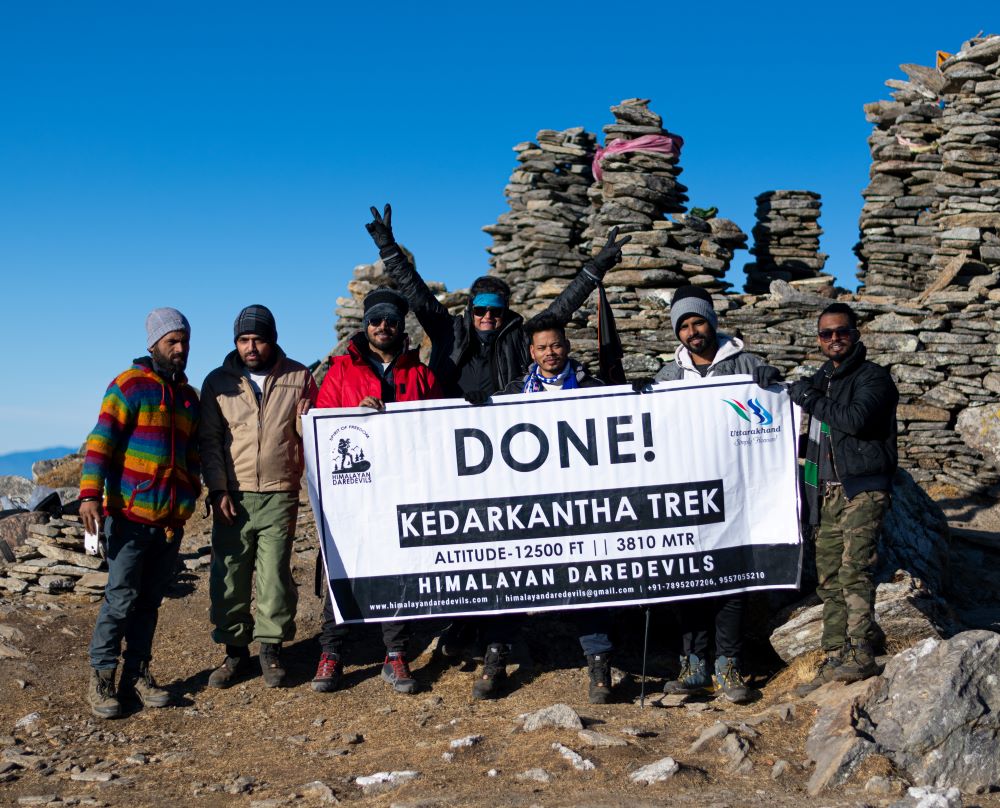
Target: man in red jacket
(376,370)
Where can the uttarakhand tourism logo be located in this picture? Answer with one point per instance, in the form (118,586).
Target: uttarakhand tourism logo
(757,417)
(348,462)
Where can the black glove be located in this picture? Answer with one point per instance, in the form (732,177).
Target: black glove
(640,385)
(610,254)
(380,229)
(477,397)
(766,375)
(804,394)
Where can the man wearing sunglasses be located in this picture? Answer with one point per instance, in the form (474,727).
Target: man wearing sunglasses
(377,369)
(849,465)
(479,352)
(476,354)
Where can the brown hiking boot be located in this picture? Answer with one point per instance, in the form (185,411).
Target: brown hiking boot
(824,673)
(140,686)
(270,664)
(101,694)
(234,668)
(859,663)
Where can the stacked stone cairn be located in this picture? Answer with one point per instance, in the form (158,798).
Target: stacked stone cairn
(936,170)
(52,561)
(637,192)
(540,237)
(786,242)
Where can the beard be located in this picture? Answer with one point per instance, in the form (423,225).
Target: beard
(172,365)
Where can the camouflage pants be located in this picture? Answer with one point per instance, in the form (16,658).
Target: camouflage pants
(846,547)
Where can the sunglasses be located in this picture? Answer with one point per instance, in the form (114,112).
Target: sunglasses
(828,334)
(480,311)
(391,322)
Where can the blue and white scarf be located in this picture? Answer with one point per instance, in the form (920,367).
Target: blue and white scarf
(534,380)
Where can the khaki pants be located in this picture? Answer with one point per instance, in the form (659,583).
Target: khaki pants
(258,542)
(846,551)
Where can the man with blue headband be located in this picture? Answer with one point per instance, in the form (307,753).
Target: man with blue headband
(474,355)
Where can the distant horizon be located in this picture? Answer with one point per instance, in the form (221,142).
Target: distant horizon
(24,459)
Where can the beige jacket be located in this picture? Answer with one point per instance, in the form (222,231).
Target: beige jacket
(246,447)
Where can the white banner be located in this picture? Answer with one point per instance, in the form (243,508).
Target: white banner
(582,498)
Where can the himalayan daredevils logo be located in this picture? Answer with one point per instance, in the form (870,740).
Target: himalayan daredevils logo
(764,418)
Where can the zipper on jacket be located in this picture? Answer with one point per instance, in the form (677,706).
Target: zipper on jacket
(833,451)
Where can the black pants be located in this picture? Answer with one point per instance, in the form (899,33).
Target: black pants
(395,634)
(698,618)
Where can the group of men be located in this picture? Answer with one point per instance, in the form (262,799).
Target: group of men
(155,442)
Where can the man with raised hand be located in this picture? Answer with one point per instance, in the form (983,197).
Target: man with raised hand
(704,352)
(850,461)
(142,462)
(479,352)
(377,369)
(553,370)
(252,458)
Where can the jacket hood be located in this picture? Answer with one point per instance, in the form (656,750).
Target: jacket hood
(728,347)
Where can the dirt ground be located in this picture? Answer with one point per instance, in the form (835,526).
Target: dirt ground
(251,745)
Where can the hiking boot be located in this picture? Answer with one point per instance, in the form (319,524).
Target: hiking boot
(859,663)
(397,673)
(101,695)
(824,673)
(692,679)
(599,668)
(455,638)
(328,673)
(234,668)
(139,685)
(270,664)
(494,676)
(730,681)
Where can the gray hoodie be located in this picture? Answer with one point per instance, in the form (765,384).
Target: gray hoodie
(729,360)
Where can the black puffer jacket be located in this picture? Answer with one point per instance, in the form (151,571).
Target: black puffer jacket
(859,404)
(452,337)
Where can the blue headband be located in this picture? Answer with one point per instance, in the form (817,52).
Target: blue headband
(489,299)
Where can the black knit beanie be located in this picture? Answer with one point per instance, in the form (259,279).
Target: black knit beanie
(257,320)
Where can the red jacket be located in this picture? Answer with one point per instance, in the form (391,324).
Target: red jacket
(350,379)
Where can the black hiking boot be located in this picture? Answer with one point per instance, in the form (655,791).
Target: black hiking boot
(270,664)
(396,672)
(599,669)
(493,679)
(329,672)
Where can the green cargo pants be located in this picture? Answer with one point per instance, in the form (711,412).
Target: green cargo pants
(846,550)
(259,540)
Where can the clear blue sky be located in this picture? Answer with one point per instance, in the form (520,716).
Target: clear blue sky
(211,155)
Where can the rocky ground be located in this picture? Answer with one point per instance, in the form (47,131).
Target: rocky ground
(254,746)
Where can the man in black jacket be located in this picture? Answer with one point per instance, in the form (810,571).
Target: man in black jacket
(478,353)
(850,462)
(474,355)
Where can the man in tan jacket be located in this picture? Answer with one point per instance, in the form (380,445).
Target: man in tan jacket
(252,462)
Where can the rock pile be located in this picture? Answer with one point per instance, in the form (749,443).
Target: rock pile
(540,237)
(52,561)
(786,242)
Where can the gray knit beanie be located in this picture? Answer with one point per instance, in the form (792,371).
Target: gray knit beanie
(160,322)
(690,300)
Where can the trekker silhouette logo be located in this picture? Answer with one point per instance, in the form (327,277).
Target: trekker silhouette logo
(349,463)
(754,407)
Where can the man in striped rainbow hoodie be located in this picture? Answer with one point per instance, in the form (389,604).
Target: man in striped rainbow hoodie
(142,464)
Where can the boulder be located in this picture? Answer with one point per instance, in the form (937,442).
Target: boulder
(935,711)
(980,429)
